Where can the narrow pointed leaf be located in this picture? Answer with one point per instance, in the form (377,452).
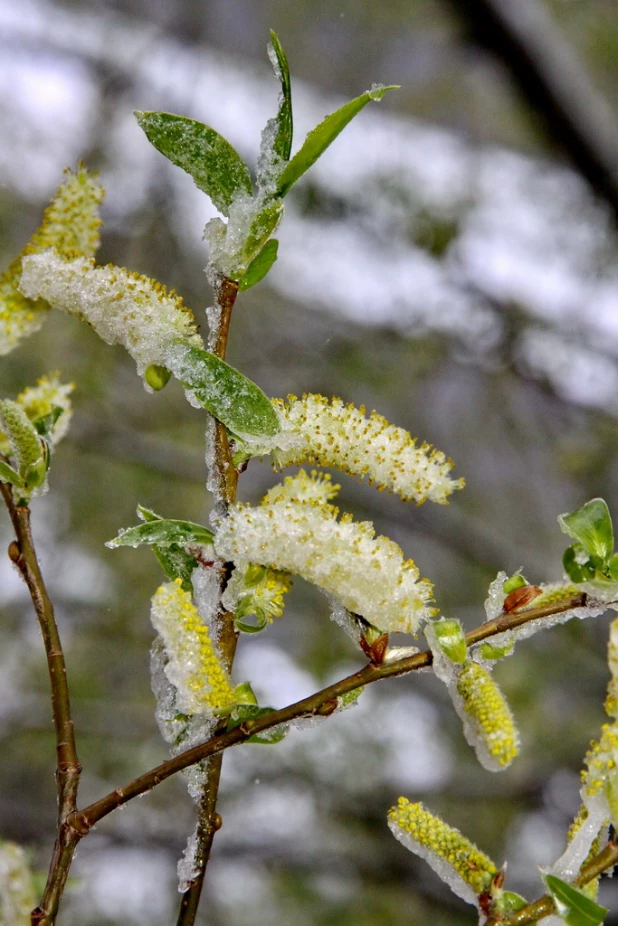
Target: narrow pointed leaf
(572,905)
(8,474)
(262,228)
(174,560)
(318,140)
(260,265)
(232,398)
(214,164)
(164,532)
(592,526)
(283,140)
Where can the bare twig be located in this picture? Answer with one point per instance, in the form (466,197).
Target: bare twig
(22,552)
(312,705)
(554,84)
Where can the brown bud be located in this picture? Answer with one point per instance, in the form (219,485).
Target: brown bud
(520,597)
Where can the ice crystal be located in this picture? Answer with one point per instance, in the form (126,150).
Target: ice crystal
(457,861)
(188,866)
(194,667)
(122,307)
(17,892)
(367,574)
(71,225)
(327,432)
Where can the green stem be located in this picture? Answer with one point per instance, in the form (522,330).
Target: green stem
(22,552)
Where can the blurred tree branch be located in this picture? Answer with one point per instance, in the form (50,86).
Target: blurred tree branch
(554,83)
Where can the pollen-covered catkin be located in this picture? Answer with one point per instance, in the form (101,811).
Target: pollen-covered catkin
(467,870)
(489,714)
(193,666)
(122,307)
(327,432)
(71,225)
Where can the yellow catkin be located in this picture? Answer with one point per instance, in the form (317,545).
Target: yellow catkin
(489,713)
(444,846)
(194,666)
(327,432)
(70,224)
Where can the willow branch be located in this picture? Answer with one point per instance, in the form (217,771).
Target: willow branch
(22,552)
(322,702)
(604,861)
(226,479)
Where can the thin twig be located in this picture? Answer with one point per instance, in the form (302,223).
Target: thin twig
(22,552)
(226,478)
(312,705)
(605,860)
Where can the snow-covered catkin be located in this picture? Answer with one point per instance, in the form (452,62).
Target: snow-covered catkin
(193,666)
(39,401)
(17,891)
(125,308)
(367,574)
(488,713)
(467,870)
(71,225)
(327,432)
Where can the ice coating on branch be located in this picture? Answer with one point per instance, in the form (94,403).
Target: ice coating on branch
(122,307)
(71,225)
(17,891)
(206,582)
(193,666)
(585,832)
(344,619)
(457,861)
(488,724)
(367,574)
(327,432)
(38,401)
(495,597)
(188,867)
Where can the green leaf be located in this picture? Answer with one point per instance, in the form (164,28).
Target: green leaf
(612,566)
(244,712)
(318,140)
(572,905)
(577,564)
(8,474)
(490,651)
(46,423)
(214,164)
(452,640)
(260,265)
(173,559)
(591,525)
(163,532)
(244,694)
(262,227)
(230,396)
(510,902)
(283,139)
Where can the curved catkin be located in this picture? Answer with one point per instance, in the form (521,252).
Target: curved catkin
(193,666)
(467,870)
(71,225)
(490,720)
(367,574)
(125,308)
(327,432)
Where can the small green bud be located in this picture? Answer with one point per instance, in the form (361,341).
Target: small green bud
(489,651)
(452,640)
(244,694)
(156,376)
(516,581)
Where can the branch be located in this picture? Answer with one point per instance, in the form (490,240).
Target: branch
(22,552)
(321,703)
(554,83)
(606,859)
(226,476)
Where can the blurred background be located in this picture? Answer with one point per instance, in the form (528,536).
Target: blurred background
(452,262)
